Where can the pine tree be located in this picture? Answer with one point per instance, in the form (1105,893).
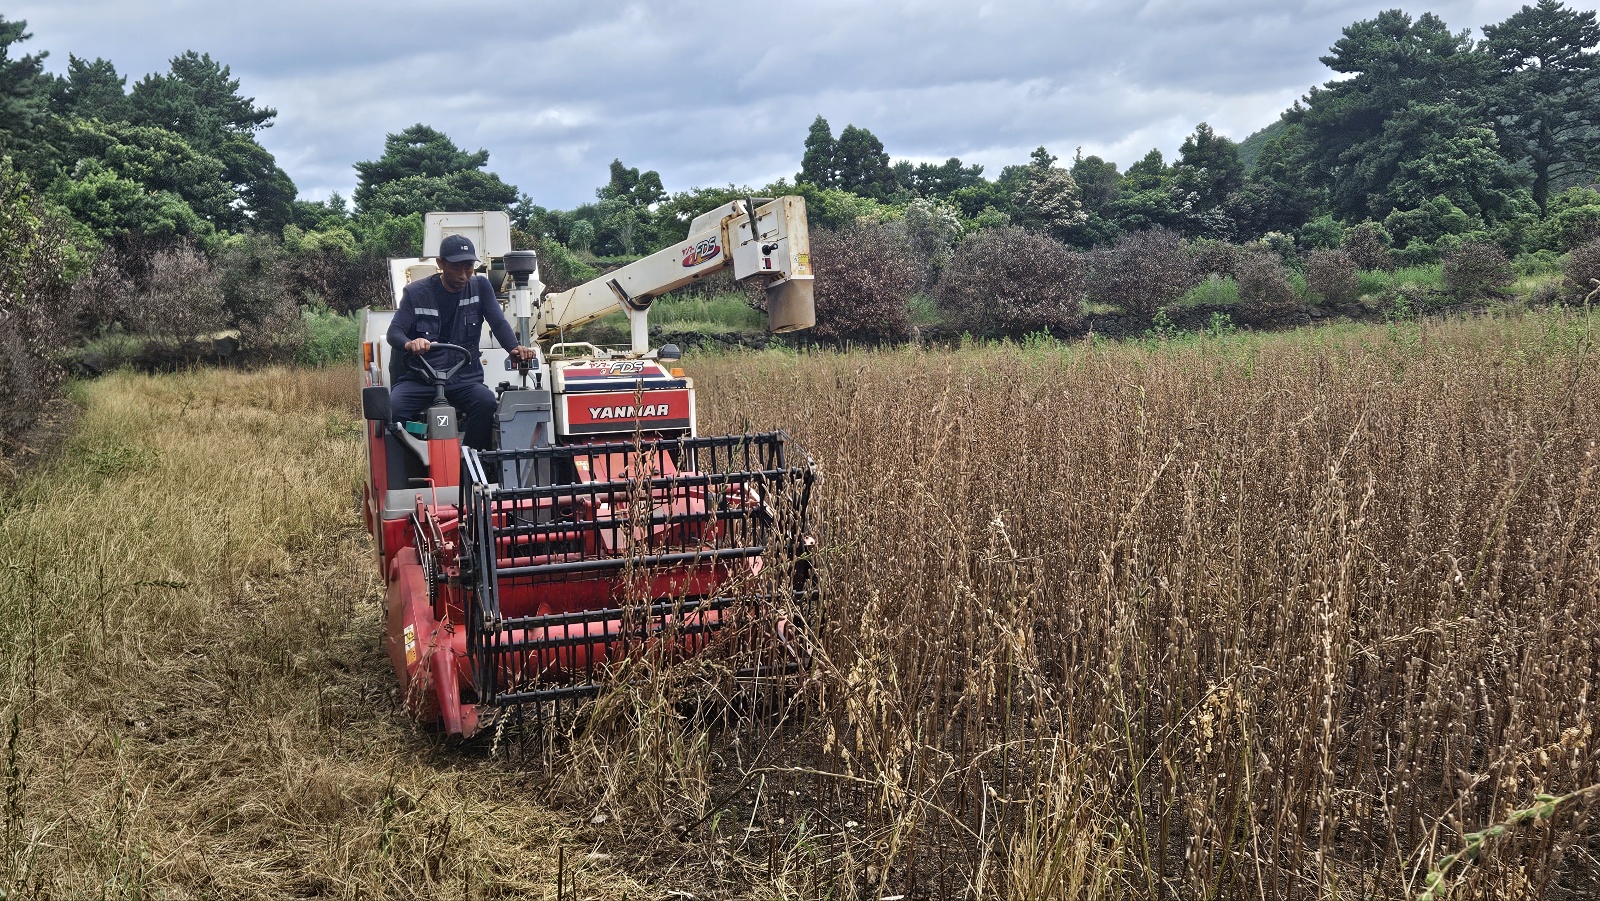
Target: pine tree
(1546,96)
(818,165)
(24,88)
(863,165)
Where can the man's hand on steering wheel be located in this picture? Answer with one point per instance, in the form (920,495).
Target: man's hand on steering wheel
(419,346)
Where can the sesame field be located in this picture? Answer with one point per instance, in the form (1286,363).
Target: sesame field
(1302,616)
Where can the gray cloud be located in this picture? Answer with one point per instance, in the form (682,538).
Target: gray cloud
(713,93)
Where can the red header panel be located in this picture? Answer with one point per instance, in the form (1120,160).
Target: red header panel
(626,411)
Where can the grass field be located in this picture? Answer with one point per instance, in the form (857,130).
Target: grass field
(1291,616)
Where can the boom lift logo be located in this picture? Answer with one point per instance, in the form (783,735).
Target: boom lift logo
(706,249)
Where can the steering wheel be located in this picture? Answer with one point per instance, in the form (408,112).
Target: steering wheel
(435,377)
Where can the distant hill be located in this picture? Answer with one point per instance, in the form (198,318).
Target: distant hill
(1250,147)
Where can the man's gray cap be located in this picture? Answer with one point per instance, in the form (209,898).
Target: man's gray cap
(457,249)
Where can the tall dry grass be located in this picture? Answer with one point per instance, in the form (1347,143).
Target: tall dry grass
(1277,618)
(1295,617)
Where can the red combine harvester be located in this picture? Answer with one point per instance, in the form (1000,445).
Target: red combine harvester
(603,530)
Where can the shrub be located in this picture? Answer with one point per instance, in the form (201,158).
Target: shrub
(559,268)
(1573,218)
(864,278)
(1007,282)
(1368,247)
(1283,246)
(252,275)
(1582,270)
(933,228)
(1215,257)
(180,298)
(1214,291)
(328,269)
(1265,293)
(37,310)
(1143,272)
(331,339)
(1333,276)
(1322,233)
(1476,270)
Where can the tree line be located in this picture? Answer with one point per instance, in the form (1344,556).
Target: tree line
(157,208)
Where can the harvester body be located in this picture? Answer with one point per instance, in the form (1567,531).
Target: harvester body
(602,533)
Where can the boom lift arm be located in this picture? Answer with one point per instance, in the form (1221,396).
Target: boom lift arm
(778,247)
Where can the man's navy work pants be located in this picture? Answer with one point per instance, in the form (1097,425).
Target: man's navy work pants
(474,403)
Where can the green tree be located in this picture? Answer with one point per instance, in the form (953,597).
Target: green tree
(1573,218)
(1146,198)
(91,90)
(580,237)
(1436,154)
(627,218)
(638,190)
(982,199)
(24,88)
(1546,96)
(316,215)
(530,217)
(422,170)
(863,165)
(104,164)
(112,206)
(198,99)
(1097,179)
(1208,166)
(1048,199)
(936,181)
(1388,63)
(467,190)
(1280,193)
(818,165)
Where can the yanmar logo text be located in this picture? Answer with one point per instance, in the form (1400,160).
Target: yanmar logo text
(706,249)
(627,412)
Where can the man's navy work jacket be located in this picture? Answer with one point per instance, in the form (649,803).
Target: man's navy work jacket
(429,311)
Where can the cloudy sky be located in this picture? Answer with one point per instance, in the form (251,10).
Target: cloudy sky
(712,93)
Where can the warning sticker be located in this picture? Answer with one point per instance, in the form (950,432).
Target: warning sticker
(411,645)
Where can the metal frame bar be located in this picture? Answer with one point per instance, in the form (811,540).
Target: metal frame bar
(501,527)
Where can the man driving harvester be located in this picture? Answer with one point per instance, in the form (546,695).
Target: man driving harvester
(450,308)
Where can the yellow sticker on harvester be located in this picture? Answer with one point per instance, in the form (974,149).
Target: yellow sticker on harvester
(411,645)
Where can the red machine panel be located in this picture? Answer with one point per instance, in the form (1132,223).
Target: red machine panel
(601,412)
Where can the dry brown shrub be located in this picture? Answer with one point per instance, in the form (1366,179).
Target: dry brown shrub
(864,278)
(1368,245)
(1265,293)
(1581,272)
(1143,272)
(1216,257)
(38,312)
(1476,270)
(1333,276)
(1007,282)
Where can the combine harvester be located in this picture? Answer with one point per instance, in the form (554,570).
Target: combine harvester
(604,534)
